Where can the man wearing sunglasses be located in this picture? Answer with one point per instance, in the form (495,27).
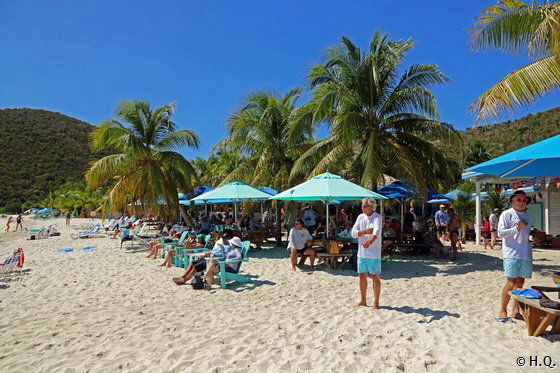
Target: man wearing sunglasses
(367,230)
(514,227)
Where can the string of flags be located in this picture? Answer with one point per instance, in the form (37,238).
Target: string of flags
(535,182)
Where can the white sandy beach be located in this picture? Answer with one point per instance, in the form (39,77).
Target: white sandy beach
(113,311)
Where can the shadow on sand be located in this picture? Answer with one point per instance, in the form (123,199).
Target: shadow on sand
(433,315)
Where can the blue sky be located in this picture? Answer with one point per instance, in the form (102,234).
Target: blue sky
(81,57)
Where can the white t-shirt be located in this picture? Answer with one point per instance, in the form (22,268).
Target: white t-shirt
(364,222)
(298,238)
(515,244)
(493,221)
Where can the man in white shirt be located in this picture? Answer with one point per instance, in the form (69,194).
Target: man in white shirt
(514,227)
(368,231)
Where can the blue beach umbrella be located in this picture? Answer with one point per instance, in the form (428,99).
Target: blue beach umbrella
(541,159)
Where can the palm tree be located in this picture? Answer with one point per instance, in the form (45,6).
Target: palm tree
(380,122)
(513,26)
(263,130)
(145,168)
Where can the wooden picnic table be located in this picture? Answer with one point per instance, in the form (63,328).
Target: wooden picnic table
(333,261)
(536,317)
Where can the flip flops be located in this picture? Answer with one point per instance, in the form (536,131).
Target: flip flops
(504,320)
(65,250)
(89,249)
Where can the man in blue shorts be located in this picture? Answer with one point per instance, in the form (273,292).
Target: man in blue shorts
(368,231)
(514,228)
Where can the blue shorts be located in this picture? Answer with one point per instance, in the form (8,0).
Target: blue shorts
(518,268)
(369,265)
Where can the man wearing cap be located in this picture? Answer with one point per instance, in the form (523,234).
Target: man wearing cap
(234,255)
(220,250)
(514,227)
(441,218)
(493,219)
(367,230)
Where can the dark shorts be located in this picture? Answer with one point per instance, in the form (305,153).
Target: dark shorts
(230,270)
(199,265)
(487,235)
(441,229)
(493,230)
(454,232)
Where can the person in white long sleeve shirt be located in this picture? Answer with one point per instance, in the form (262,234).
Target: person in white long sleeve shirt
(368,231)
(514,227)
(299,240)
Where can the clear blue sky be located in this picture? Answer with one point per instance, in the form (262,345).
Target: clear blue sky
(81,57)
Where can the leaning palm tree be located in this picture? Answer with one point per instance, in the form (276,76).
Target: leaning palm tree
(263,130)
(145,168)
(513,26)
(380,122)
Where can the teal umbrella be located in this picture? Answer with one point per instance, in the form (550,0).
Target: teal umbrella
(236,191)
(326,187)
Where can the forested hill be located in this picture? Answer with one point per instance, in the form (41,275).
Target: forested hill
(39,151)
(512,135)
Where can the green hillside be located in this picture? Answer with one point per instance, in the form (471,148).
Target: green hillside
(512,135)
(40,150)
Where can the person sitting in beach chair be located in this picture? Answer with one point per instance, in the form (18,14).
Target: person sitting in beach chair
(213,265)
(299,244)
(431,240)
(157,244)
(189,244)
(220,250)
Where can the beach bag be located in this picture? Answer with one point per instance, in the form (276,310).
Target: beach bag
(198,282)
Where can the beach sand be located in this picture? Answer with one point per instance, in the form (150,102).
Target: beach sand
(113,310)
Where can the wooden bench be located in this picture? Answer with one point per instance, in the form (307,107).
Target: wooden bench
(536,317)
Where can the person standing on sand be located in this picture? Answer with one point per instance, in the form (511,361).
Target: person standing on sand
(19,219)
(10,220)
(514,228)
(368,231)
(68,217)
(494,217)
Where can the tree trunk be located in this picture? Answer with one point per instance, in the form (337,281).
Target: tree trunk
(185,216)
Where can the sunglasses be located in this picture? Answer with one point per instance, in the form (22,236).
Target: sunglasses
(364,206)
(521,200)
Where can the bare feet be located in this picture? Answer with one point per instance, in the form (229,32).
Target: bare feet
(294,269)
(179,280)
(361,304)
(376,306)
(503,315)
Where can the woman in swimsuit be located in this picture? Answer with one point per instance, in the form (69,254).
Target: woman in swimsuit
(453,228)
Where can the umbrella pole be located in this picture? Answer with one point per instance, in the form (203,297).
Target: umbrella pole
(206,207)
(235,212)
(402,216)
(327,219)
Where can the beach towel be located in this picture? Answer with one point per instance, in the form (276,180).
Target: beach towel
(65,250)
(527,293)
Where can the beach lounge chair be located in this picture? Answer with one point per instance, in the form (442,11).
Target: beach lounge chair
(87,233)
(536,317)
(12,265)
(227,276)
(178,246)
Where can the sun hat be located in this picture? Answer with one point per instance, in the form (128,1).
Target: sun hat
(201,236)
(496,210)
(520,193)
(236,241)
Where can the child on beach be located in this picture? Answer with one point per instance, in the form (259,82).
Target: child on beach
(368,231)
(10,220)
